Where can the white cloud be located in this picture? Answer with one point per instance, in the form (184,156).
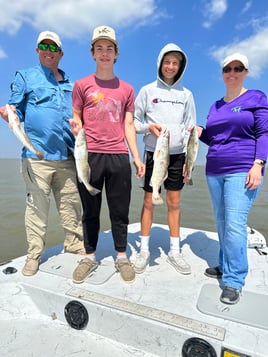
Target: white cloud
(2,54)
(75,18)
(254,47)
(214,10)
(247,6)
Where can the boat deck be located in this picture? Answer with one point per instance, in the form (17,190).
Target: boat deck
(162,313)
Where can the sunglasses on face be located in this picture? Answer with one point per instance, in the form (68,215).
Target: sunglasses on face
(52,48)
(237,69)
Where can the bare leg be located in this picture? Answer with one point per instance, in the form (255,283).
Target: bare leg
(147,214)
(174,212)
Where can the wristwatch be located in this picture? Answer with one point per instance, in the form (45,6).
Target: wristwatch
(260,162)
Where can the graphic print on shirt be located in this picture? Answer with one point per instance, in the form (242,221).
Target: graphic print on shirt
(159,100)
(236,109)
(105,105)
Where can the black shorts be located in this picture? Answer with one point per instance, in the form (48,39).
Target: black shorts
(174,181)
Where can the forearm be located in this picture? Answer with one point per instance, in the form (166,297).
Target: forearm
(76,122)
(141,128)
(132,142)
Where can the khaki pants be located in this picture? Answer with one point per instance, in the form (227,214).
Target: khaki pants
(41,177)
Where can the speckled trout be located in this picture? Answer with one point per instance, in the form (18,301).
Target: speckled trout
(81,162)
(161,162)
(192,150)
(14,124)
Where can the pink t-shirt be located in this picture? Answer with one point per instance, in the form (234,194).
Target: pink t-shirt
(104,104)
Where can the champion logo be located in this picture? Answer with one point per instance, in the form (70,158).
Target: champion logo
(158,100)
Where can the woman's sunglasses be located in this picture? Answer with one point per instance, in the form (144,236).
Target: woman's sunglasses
(237,69)
(52,48)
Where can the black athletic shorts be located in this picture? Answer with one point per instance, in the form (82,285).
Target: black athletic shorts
(174,181)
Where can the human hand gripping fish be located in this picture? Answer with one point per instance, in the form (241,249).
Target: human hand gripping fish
(14,124)
(192,150)
(81,162)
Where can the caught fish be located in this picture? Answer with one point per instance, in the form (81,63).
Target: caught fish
(14,124)
(161,162)
(192,149)
(81,162)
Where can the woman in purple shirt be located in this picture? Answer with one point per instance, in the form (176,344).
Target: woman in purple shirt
(237,135)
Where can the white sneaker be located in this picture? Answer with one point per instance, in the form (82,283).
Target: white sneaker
(142,260)
(178,262)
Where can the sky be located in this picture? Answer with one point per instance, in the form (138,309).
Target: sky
(206,30)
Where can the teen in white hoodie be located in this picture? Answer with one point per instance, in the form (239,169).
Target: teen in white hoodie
(165,103)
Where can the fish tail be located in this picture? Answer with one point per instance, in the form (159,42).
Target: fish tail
(40,154)
(188,181)
(156,201)
(94,191)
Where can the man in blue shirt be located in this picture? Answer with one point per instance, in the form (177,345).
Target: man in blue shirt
(42,97)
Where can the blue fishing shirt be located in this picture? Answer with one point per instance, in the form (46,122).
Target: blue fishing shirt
(44,105)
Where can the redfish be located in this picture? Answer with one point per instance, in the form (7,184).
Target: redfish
(81,162)
(192,150)
(14,124)
(161,162)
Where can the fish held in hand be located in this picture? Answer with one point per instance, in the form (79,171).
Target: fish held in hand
(81,162)
(15,126)
(192,150)
(161,162)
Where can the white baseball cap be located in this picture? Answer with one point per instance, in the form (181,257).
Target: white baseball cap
(236,57)
(105,33)
(48,35)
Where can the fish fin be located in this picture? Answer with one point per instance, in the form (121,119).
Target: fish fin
(156,154)
(14,124)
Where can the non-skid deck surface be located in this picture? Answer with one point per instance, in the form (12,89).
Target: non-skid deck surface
(65,263)
(250,310)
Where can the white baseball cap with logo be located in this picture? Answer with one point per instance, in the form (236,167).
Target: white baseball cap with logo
(236,57)
(104,33)
(48,35)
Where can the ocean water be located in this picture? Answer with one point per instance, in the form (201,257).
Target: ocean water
(196,209)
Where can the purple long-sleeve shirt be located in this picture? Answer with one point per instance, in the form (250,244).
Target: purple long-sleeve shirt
(236,133)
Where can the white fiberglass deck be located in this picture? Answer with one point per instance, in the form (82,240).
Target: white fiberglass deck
(163,313)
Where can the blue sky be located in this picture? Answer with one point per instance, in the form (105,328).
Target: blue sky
(207,30)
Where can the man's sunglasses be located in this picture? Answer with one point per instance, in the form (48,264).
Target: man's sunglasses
(237,69)
(52,48)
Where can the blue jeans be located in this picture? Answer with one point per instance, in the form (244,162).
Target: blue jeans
(232,202)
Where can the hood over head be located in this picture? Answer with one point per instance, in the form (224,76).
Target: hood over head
(171,47)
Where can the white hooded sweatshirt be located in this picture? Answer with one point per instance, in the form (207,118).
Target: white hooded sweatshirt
(171,106)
